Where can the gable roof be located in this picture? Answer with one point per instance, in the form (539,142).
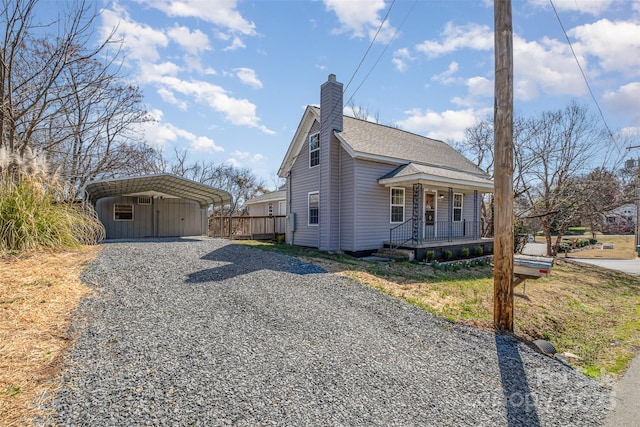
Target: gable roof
(436,175)
(372,141)
(165,185)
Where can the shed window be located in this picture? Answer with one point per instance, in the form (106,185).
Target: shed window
(397,205)
(122,212)
(314,208)
(314,150)
(457,207)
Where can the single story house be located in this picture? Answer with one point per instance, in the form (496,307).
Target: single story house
(162,205)
(356,186)
(269,204)
(621,219)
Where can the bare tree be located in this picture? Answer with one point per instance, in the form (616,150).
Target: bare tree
(559,146)
(240,182)
(63,96)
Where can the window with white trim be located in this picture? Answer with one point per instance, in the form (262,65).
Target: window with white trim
(122,212)
(314,208)
(397,205)
(457,207)
(314,150)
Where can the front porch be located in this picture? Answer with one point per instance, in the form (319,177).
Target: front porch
(440,247)
(440,237)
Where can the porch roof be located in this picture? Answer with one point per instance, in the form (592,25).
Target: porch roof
(160,185)
(412,173)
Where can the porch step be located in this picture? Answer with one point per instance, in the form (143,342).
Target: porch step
(397,254)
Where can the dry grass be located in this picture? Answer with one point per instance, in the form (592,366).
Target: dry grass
(623,248)
(38,294)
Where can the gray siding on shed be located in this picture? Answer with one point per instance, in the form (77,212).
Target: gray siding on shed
(303,180)
(164,218)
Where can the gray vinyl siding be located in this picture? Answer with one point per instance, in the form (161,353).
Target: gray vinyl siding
(372,205)
(303,180)
(261,209)
(347,202)
(164,218)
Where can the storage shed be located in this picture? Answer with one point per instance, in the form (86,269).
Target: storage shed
(162,205)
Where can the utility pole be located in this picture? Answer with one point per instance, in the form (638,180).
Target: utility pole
(503,169)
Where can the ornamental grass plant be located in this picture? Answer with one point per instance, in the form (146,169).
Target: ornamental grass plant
(33,212)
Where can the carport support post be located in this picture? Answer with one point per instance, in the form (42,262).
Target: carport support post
(503,170)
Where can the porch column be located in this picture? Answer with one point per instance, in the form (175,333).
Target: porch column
(450,215)
(418,213)
(475,214)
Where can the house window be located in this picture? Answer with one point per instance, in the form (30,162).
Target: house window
(457,207)
(122,212)
(314,207)
(397,205)
(270,209)
(314,150)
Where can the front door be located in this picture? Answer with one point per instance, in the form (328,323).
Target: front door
(429,215)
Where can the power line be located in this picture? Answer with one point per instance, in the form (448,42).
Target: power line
(383,51)
(584,76)
(370,45)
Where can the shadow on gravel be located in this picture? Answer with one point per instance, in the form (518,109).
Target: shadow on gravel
(518,400)
(236,260)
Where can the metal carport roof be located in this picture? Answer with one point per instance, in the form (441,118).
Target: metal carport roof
(161,185)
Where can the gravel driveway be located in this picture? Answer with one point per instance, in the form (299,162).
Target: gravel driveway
(208,333)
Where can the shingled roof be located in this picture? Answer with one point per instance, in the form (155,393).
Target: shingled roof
(373,141)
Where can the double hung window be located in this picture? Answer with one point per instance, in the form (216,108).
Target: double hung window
(397,205)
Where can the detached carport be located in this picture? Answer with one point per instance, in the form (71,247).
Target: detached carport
(161,205)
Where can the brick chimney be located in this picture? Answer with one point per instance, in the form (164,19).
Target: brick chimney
(331,106)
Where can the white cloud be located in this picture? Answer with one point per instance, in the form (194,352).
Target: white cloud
(361,19)
(446,77)
(240,112)
(471,36)
(247,156)
(236,43)
(158,134)
(547,66)
(170,97)
(149,72)
(615,44)
(626,99)
(194,42)
(222,13)
(233,162)
(401,57)
(630,132)
(140,40)
(248,77)
(446,126)
(477,87)
(204,144)
(593,7)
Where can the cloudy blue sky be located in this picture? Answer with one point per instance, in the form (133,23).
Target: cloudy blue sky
(228,80)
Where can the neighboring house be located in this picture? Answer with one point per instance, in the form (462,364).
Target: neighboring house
(269,204)
(354,185)
(161,205)
(621,219)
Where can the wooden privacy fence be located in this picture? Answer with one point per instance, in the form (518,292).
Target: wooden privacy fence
(248,227)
